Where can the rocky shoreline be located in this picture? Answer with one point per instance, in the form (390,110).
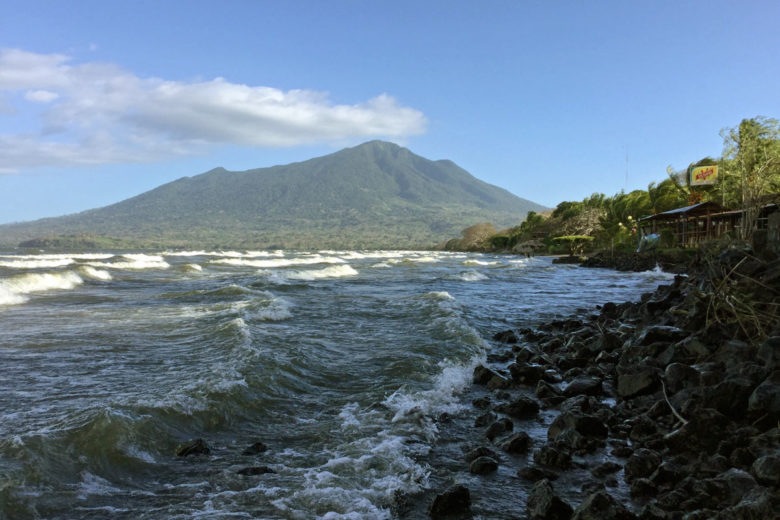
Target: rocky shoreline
(663,409)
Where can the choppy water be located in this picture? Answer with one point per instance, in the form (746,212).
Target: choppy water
(338,361)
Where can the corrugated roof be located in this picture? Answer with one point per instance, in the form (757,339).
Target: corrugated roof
(683,211)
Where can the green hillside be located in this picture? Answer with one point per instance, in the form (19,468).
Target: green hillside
(376,195)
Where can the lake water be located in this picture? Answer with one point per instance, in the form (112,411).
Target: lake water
(339,361)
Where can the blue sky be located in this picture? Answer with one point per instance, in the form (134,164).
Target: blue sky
(552,100)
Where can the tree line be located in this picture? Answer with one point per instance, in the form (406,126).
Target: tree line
(748,172)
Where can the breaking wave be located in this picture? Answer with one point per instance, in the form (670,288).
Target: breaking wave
(36,264)
(13,290)
(336,271)
(95,274)
(134,262)
(470,276)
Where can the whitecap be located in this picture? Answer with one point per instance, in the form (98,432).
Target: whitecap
(336,271)
(134,262)
(36,263)
(278,262)
(658,274)
(95,274)
(471,276)
(480,262)
(277,309)
(13,290)
(438,295)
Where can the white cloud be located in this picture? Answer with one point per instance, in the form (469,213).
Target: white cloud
(40,96)
(99,113)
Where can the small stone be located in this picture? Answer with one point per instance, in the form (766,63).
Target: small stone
(481,403)
(631,385)
(766,469)
(526,374)
(660,333)
(498,382)
(483,465)
(679,376)
(606,468)
(534,473)
(485,419)
(738,483)
(255,470)
(254,449)
(586,385)
(193,447)
(516,443)
(642,463)
(550,456)
(499,427)
(506,336)
(601,506)
(483,374)
(765,399)
(478,452)
(521,408)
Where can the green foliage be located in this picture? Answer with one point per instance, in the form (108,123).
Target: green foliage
(750,167)
(575,243)
(748,171)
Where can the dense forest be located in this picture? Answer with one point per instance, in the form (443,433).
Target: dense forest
(749,173)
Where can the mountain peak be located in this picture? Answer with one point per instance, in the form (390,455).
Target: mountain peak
(374,195)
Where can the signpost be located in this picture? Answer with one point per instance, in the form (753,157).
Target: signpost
(703,175)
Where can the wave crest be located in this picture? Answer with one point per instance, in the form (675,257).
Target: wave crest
(13,290)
